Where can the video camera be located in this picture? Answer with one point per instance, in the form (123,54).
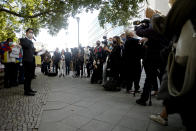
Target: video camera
(145,21)
(105,42)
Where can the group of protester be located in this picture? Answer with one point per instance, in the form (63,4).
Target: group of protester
(164,47)
(60,62)
(19,62)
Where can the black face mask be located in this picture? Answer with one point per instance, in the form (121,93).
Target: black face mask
(114,43)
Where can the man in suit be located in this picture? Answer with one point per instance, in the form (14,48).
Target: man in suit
(28,52)
(132,65)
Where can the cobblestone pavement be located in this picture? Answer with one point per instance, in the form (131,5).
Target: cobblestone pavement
(19,112)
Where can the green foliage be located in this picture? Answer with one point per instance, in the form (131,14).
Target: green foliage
(8,25)
(118,12)
(53,14)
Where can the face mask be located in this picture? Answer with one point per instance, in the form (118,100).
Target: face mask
(124,39)
(110,42)
(110,47)
(30,36)
(10,43)
(114,42)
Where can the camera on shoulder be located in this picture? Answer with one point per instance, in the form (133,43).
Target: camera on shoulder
(105,42)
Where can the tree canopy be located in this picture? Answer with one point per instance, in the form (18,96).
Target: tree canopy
(53,14)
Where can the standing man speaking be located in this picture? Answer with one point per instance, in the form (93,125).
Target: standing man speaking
(28,52)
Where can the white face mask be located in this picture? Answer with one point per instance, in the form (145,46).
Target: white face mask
(10,43)
(30,36)
(110,42)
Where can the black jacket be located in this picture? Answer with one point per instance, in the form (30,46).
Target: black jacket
(153,44)
(115,58)
(67,56)
(28,49)
(56,57)
(132,52)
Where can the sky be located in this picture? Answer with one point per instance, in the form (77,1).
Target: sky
(68,38)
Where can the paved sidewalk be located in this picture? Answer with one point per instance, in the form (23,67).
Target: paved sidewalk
(19,112)
(74,104)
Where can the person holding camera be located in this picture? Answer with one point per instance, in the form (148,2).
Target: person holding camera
(90,60)
(46,62)
(152,58)
(131,61)
(98,64)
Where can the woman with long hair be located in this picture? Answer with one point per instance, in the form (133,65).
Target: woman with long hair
(115,58)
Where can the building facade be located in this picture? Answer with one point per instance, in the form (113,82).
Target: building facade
(95,32)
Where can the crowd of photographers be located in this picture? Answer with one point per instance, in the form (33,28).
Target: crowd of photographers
(117,62)
(166,47)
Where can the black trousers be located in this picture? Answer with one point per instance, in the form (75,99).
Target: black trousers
(28,74)
(34,66)
(133,76)
(46,67)
(21,73)
(151,77)
(99,72)
(55,66)
(79,67)
(6,75)
(88,69)
(67,67)
(11,73)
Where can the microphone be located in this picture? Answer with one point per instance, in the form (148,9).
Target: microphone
(34,38)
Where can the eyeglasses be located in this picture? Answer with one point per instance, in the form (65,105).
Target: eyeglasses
(30,31)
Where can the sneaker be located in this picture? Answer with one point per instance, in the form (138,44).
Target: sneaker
(157,118)
(32,91)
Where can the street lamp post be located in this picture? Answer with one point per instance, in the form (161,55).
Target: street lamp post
(78,20)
